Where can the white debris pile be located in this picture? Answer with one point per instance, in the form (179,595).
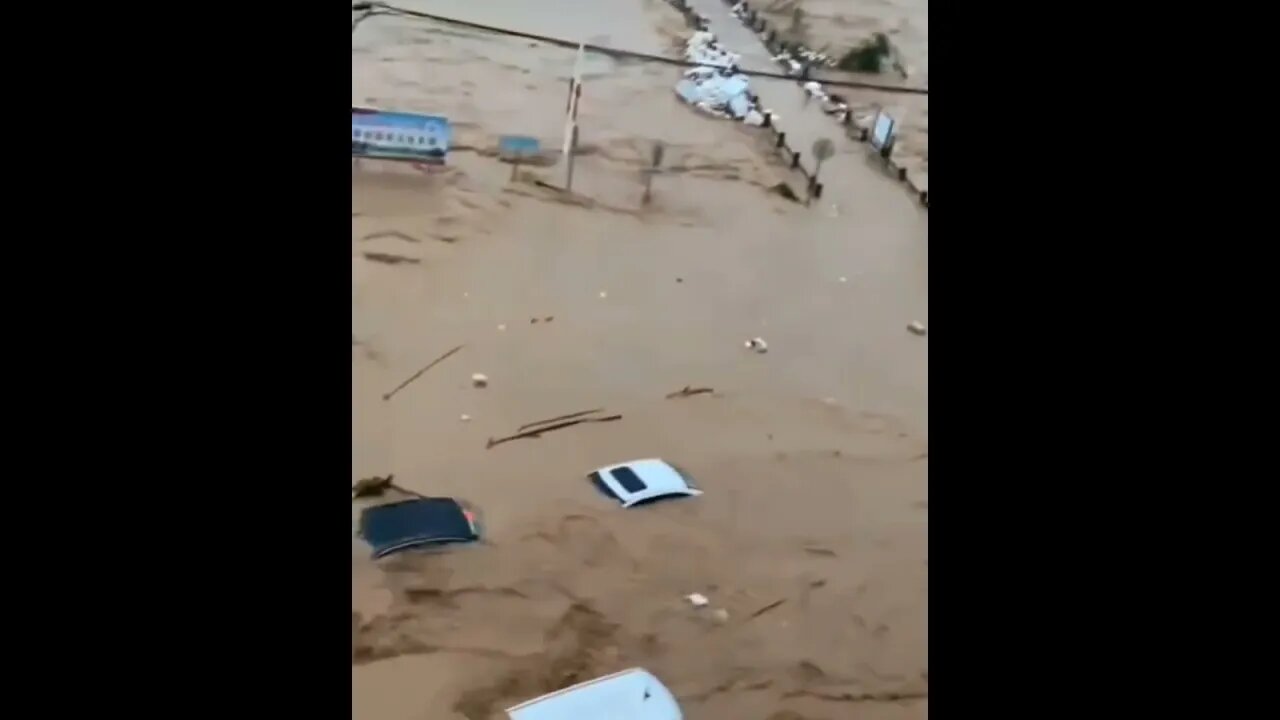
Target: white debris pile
(831,103)
(716,87)
(798,59)
(793,67)
(703,49)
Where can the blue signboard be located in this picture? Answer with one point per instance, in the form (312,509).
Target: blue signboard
(518,147)
(882,131)
(399,135)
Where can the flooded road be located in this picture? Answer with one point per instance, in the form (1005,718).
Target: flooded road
(813,456)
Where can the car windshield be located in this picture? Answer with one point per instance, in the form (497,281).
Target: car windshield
(627,478)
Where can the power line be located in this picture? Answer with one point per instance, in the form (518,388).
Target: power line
(378,8)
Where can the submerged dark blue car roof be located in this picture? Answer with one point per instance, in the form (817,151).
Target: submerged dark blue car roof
(423,521)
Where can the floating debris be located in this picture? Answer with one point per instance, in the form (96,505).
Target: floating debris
(479,380)
(917,328)
(604,294)
(757,344)
(389,259)
(766,609)
(371,486)
(537,431)
(375,486)
(465,418)
(688,391)
(785,191)
(418,374)
(391,234)
(502,328)
(558,418)
(716,87)
(697,599)
(720,615)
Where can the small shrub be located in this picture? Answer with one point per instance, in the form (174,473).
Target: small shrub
(869,57)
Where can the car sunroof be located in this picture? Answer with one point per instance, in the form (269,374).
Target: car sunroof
(628,479)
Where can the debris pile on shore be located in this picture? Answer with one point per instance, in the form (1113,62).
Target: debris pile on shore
(716,87)
(807,59)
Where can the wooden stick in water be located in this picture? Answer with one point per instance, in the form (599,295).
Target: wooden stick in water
(418,374)
(537,432)
(558,418)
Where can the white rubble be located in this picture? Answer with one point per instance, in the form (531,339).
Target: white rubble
(697,599)
(716,87)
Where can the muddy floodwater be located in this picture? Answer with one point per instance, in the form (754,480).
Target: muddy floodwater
(813,456)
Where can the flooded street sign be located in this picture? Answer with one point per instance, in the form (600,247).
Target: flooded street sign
(380,134)
(516,149)
(882,133)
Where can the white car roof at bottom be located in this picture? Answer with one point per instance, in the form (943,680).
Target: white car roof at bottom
(658,476)
(632,694)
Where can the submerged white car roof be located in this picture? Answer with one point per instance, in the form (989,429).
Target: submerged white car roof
(659,479)
(628,695)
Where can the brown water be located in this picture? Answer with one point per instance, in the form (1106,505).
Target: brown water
(813,456)
(834,26)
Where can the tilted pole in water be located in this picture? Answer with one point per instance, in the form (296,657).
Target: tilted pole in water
(573,146)
(571,116)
